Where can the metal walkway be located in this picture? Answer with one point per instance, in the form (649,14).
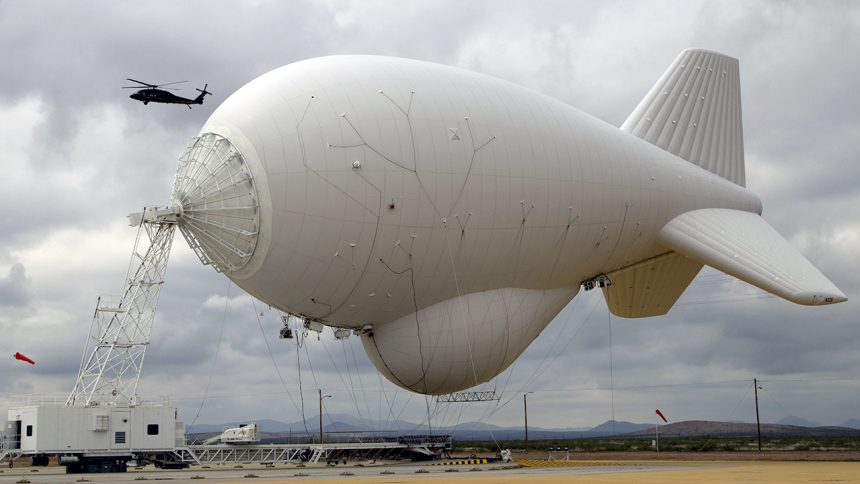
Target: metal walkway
(311,453)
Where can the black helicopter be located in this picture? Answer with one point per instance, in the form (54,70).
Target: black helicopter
(152,93)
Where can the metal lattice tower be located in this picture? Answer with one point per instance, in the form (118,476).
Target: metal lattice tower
(119,335)
(460,397)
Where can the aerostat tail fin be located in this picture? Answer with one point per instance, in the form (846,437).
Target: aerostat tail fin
(743,245)
(694,112)
(651,287)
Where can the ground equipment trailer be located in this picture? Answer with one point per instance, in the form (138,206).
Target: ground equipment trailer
(94,439)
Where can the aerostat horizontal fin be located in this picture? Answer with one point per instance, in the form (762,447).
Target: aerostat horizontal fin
(743,245)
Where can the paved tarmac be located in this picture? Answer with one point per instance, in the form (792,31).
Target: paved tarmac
(650,472)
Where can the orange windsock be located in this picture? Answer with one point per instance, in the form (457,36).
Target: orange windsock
(19,356)
(661,415)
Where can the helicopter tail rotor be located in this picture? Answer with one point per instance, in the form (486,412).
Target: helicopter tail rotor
(203,93)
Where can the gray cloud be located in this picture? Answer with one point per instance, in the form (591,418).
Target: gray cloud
(15,287)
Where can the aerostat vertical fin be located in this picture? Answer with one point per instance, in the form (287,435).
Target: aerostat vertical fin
(651,287)
(694,112)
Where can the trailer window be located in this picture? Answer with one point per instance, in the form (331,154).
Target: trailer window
(152,429)
(29,431)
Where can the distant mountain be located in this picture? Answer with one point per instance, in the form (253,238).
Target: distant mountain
(337,421)
(615,427)
(853,423)
(700,428)
(480,426)
(797,421)
(276,431)
(265,425)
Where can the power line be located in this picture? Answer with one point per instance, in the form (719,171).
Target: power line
(217,351)
(275,363)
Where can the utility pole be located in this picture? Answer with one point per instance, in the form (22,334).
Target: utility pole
(429,418)
(320,390)
(526,414)
(321,413)
(757,420)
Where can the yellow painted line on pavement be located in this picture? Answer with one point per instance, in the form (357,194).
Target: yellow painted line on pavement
(569,463)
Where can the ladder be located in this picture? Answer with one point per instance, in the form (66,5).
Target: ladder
(10,454)
(318,453)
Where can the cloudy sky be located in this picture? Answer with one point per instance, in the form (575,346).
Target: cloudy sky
(77,156)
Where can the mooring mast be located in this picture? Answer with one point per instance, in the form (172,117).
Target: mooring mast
(119,334)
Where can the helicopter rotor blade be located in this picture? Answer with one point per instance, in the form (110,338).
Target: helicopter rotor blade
(141,82)
(154,87)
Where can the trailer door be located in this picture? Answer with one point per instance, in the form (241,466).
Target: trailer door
(119,422)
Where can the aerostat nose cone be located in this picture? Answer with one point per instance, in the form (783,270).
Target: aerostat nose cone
(218,204)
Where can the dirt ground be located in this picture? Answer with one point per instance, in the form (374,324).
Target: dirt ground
(776,455)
